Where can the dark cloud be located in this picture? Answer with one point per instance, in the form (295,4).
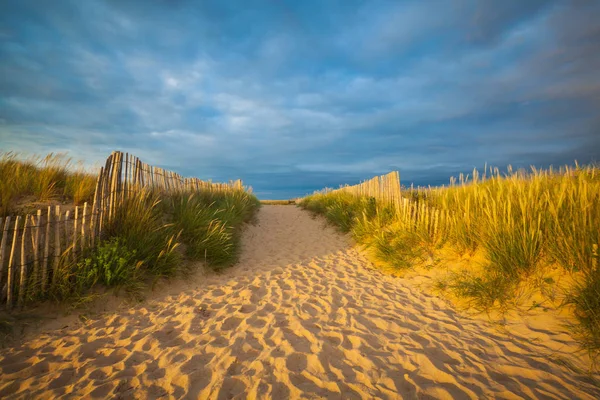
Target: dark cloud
(488,20)
(295,96)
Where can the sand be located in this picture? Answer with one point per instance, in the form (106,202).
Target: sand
(302,315)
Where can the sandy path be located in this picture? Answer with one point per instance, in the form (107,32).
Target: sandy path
(303,315)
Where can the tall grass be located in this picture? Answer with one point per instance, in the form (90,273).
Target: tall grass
(49,178)
(521,222)
(136,244)
(144,238)
(149,236)
(210,223)
(585,299)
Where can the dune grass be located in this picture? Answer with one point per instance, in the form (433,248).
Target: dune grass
(143,241)
(522,222)
(138,244)
(151,235)
(210,223)
(53,177)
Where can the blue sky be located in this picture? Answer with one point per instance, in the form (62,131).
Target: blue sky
(292,96)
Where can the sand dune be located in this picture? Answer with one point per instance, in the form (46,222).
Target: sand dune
(303,315)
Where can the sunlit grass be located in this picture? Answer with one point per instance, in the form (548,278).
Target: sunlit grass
(49,178)
(143,239)
(521,221)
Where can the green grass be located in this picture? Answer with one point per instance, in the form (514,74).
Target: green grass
(136,245)
(149,237)
(521,221)
(210,223)
(143,241)
(585,299)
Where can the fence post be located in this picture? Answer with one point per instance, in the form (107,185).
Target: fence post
(113,185)
(66,223)
(9,278)
(23,275)
(46,250)
(3,246)
(35,241)
(83,227)
(75,232)
(93,219)
(126,177)
(56,245)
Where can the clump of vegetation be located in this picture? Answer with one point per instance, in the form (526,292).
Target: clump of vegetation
(521,222)
(210,223)
(112,263)
(585,299)
(142,240)
(148,233)
(137,244)
(140,222)
(48,178)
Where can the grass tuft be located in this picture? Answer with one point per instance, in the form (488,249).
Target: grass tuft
(49,178)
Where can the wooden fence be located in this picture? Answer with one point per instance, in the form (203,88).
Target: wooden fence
(33,247)
(385,188)
(414,214)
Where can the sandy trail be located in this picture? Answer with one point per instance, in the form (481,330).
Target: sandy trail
(303,315)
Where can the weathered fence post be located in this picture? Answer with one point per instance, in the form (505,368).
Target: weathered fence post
(57,250)
(83,242)
(3,246)
(9,278)
(23,275)
(46,250)
(35,241)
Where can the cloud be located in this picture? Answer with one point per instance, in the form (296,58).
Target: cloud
(294,97)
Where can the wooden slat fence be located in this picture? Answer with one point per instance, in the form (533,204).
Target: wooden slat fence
(385,188)
(33,247)
(415,214)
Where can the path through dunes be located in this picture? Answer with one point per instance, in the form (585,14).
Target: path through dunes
(303,315)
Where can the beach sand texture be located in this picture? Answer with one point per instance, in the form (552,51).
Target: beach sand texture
(302,315)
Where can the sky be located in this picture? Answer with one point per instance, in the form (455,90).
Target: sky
(294,96)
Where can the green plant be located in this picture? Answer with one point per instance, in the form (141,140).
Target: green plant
(209,223)
(140,222)
(585,299)
(482,292)
(400,249)
(112,263)
(340,214)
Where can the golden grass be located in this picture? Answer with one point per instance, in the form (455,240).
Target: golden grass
(522,222)
(53,177)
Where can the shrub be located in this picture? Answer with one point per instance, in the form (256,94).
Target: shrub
(112,263)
